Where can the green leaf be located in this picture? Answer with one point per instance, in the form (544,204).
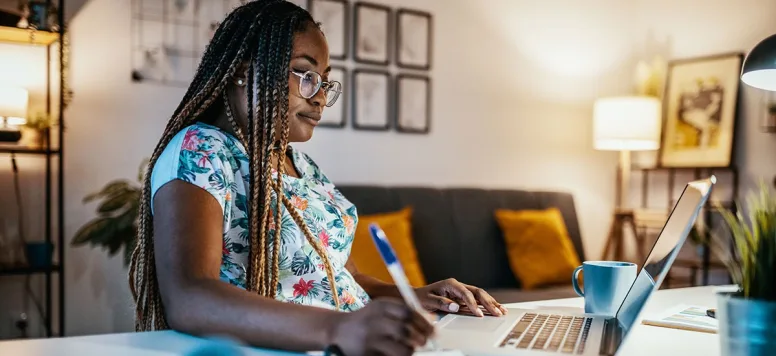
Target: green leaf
(118,201)
(93,231)
(109,189)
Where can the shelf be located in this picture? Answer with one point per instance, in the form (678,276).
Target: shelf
(22,271)
(27,150)
(22,36)
(682,169)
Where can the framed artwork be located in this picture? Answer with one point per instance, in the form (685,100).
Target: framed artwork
(334,116)
(700,109)
(333,16)
(371,38)
(371,99)
(413,41)
(413,102)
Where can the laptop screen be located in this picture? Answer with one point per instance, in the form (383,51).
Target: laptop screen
(664,250)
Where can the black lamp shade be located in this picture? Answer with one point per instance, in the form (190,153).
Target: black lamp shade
(759,68)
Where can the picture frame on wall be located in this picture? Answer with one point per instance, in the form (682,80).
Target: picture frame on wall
(371,99)
(371,42)
(413,103)
(700,111)
(334,18)
(335,116)
(414,39)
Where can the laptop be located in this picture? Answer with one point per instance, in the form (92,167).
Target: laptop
(546,331)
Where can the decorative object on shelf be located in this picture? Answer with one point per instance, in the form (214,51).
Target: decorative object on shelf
(759,69)
(334,116)
(13,113)
(650,77)
(333,15)
(371,99)
(39,254)
(371,44)
(747,315)
(701,110)
(38,15)
(116,224)
(414,39)
(41,125)
(625,124)
(413,101)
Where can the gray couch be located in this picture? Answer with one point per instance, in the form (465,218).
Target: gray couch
(457,236)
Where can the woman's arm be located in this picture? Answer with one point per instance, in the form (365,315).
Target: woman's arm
(448,295)
(188,245)
(374,287)
(188,249)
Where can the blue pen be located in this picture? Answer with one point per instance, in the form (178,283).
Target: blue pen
(397,272)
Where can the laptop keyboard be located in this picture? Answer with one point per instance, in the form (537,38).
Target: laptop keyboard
(547,332)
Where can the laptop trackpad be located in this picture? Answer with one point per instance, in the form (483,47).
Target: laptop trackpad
(475,324)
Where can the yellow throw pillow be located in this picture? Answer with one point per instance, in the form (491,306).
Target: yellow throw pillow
(538,245)
(398,228)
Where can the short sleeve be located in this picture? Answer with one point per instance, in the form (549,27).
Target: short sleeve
(194,156)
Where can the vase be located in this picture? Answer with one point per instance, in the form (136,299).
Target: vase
(39,254)
(746,326)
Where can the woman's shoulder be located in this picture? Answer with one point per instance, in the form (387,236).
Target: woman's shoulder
(200,154)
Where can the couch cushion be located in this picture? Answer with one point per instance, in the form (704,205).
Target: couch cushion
(504,296)
(455,231)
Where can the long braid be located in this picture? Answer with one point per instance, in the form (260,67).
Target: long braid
(259,31)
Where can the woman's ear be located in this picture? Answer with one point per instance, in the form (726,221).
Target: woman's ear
(241,74)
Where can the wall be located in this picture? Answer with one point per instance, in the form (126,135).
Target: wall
(513,88)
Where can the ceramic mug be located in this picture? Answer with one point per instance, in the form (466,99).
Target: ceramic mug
(605,284)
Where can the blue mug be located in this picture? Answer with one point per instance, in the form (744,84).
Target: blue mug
(606,283)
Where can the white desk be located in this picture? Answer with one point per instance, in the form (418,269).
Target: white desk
(644,340)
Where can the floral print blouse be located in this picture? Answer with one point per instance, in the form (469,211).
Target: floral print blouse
(217,162)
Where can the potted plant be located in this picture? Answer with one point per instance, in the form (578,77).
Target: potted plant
(41,125)
(747,315)
(117,217)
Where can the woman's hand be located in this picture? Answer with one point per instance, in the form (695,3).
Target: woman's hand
(384,327)
(451,296)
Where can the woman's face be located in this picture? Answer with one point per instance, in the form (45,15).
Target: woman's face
(310,53)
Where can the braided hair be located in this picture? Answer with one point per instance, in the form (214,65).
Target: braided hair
(261,33)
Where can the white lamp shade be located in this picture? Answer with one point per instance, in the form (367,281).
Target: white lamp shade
(13,105)
(628,123)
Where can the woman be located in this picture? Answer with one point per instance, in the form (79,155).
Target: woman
(210,214)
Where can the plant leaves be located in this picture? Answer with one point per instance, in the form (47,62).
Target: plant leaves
(118,201)
(93,231)
(109,189)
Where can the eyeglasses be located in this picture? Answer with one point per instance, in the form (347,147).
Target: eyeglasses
(311,82)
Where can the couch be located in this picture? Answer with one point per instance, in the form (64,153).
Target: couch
(456,235)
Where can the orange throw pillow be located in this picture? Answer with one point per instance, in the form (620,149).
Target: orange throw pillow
(398,228)
(538,245)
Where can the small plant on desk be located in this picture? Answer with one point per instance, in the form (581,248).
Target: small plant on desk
(116,224)
(746,316)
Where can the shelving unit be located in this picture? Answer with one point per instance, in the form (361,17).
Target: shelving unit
(53,164)
(706,262)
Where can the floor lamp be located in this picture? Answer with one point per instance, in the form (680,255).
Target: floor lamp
(625,124)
